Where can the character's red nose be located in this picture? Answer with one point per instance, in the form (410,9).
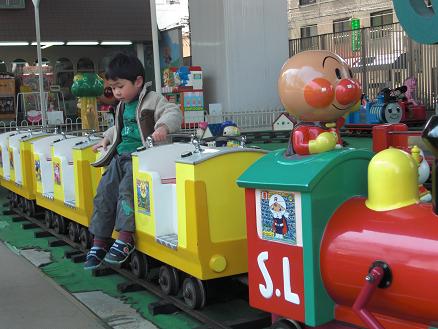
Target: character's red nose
(319,93)
(348,91)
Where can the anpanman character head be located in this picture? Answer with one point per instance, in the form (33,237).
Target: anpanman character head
(318,86)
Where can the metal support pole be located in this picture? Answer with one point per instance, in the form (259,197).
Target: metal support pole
(364,60)
(36,4)
(154,29)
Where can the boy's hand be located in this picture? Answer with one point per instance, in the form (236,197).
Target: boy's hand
(160,133)
(103,143)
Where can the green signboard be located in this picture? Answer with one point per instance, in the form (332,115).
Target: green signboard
(355,34)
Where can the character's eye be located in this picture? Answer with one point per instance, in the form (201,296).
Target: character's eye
(351,73)
(338,73)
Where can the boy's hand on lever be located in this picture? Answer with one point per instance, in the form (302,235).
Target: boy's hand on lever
(160,133)
(103,143)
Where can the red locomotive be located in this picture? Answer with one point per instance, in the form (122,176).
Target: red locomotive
(350,260)
(339,239)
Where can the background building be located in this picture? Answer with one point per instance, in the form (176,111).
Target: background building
(308,18)
(367,34)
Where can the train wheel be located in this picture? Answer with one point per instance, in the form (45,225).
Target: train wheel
(73,231)
(85,238)
(59,224)
(168,279)
(30,207)
(286,324)
(48,219)
(194,293)
(13,200)
(21,203)
(139,264)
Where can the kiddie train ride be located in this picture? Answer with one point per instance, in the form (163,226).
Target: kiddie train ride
(337,237)
(390,106)
(189,213)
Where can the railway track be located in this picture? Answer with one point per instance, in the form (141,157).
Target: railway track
(209,317)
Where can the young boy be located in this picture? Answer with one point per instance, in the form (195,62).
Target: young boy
(139,114)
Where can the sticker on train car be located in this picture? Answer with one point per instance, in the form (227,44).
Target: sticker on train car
(57,173)
(277,217)
(143,197)
(38,170)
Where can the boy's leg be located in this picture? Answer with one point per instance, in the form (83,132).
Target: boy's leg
(104,212)
(125,222)
(105,201)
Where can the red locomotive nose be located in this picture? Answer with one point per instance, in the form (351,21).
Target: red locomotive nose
(319,93)
(347,91)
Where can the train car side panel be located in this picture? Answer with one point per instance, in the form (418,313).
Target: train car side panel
(85,187)
(275,273)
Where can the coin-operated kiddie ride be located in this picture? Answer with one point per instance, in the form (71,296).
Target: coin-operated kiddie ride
(15,172)
(66,183)
(337,238)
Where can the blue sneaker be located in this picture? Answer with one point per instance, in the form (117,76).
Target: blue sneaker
(94,258)
(119,252)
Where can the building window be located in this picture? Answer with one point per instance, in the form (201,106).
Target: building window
(309,31)
(381,24)
(307,2)
(342,25)
(341,28)
(309,38)
(381,18)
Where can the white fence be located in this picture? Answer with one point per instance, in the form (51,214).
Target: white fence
(246,121)
(70,125)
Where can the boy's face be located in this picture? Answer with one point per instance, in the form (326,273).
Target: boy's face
(124,90)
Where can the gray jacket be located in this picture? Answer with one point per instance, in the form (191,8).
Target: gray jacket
(153,110)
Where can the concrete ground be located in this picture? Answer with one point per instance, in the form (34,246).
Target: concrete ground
(29,299)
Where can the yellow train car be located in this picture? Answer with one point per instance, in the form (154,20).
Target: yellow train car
(190,215)
(16,167)
(66,183)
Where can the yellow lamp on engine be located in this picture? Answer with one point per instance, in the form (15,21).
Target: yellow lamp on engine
(392,180)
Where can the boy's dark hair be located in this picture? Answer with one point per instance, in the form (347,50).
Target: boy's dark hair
(123,66)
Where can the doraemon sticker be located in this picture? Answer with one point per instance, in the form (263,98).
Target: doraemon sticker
(143,197)
(277,217)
